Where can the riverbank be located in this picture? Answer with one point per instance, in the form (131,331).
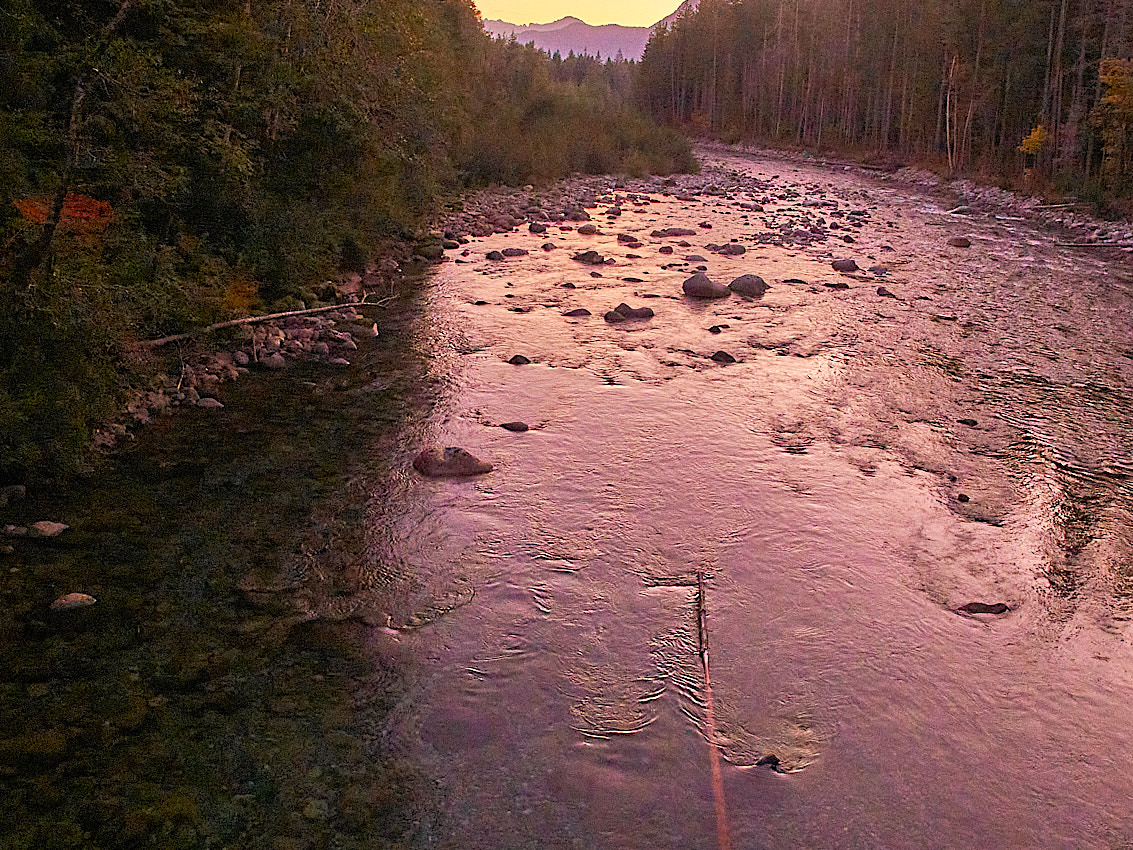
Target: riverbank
(219,692)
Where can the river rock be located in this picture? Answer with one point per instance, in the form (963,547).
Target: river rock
(548,246)
(514,252)
(960,242)
(71,601)
(837,284)
(577,314)
(996,608)
(614,317)
(209,403)
(845,266)
(666,249)
(590,258)
(723,357)
(274,361)
(751,285)
(494,256)
(452,462)
(672,232)
(536,227)
(732,249)
(634,312)
(519,360)
(885,293)
(971,423)
(588,230)
(515,427)
(46,528)
(701,286)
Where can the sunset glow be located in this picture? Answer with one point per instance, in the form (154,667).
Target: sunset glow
(632,13)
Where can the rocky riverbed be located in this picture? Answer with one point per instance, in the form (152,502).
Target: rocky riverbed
(883,471)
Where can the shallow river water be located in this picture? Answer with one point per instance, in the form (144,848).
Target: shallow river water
(826,496)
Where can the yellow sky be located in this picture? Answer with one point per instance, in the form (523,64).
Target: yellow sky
(630,13)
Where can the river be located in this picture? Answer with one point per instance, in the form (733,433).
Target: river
(698,604)
(868,466)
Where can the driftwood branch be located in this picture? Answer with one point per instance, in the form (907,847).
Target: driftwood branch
(252,320)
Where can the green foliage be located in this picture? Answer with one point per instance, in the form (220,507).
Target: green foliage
(247,149)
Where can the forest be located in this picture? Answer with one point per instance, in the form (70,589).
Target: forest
(1011,89)
(167,163)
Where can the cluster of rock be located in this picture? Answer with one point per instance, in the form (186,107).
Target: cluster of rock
(328,337)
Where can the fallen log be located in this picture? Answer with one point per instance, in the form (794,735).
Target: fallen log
(251,320)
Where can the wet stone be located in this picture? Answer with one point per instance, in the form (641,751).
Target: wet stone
(519,360)
(971,423)
(590,258)
(614,317)
(452,462)
(72,601)
(751,285)
(515,427)
(701,286)
(837,284)
(885,293)
(46,528)
(577,314)
(515,252)
(960,242)
(844,266)
(723,357)
(995,608)
(634,312)
(494,256)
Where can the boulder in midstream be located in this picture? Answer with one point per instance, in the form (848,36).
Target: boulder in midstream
(701,286)
(751,285)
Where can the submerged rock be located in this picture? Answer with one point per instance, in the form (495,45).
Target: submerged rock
(449,462)
(515,252)
(515,427)
(519,360)
(577,314)
(614,317)
(671,232)
(701,286)
(844,266)
(494,256)
(732,249)
(46,528)
(751,285)
(960,242)
(723,357)
(71,601)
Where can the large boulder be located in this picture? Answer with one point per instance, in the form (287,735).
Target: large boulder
(452,462)
(751,285)
(701,286)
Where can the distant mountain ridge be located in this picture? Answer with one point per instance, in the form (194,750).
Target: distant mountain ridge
(571,34)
